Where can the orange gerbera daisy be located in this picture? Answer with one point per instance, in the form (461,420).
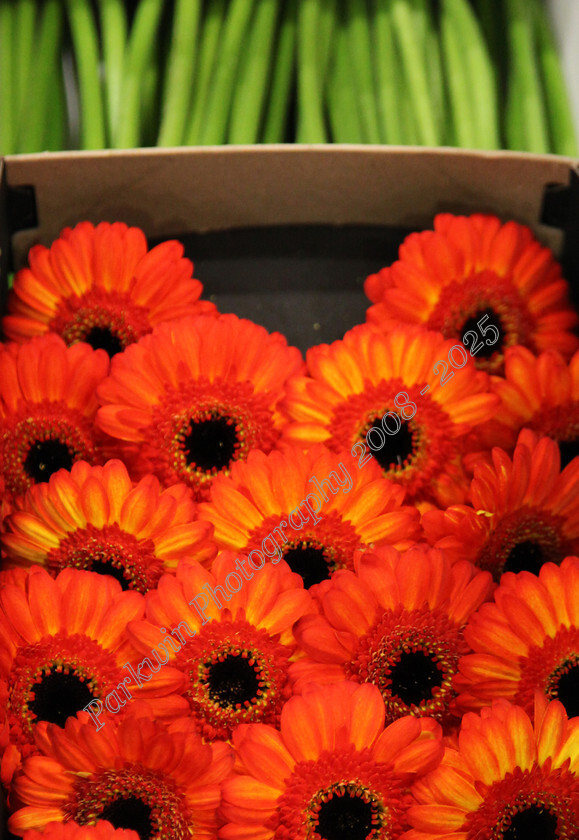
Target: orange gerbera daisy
(332,771)
(313,509)
(94,518)
(103,830)
(159,780)
(63,647)
(540,393)
(396,623)
(525,511)
(357,380)
(509,779)
(470,267)
(101,285)
(235,630)
(527,640)
(47,408)
(197,395)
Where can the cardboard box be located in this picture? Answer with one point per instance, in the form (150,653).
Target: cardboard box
(286,234)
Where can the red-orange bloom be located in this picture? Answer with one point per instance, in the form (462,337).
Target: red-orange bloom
(103,286)
(509,779)
(355,381)
(63,645)
(234,626)
(397,623)
(469,267)
(161,781)
(527,640)
(198,394)
(540,393)
(94,518)
(103,830)
(47,408)
(524,512)
(331,771)
(260,507)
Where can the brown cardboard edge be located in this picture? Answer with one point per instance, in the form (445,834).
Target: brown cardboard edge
(4,237)
(169,192)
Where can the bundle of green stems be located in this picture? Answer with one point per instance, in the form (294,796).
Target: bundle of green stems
(93,74)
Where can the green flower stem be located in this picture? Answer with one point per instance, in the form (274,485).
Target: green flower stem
(56,125)
(25,66)
(388,78)
(214,130)
(405,16)
(150,99)
(491,16)
(56,128)
(327,20)
(358,29)
(433,52)
(86,55)
(311,125)
(561,127)
(525,118)
(179,79)
(142,40)
(343,104)
(461,94)
(409,121)
(461,105)
(44,120)
(283,76)
(478,73)
(7,104)
(211,28)
(251,88)
(114,29)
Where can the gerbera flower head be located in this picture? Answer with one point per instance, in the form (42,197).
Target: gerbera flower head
(64,645)
(527,640)
(94,518)
(158,780)
(471,266)
(235,641)
(332,770)
(198,394)
(47,409)
(525,511)
(100,284)
(540,393)
(103,830)
(313,509)
(397,623)
(367,376)
(509,779)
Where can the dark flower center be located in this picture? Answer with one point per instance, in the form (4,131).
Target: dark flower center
(232,681)
(397,449)
(486,351)
(102,338)
(211,443)
(525,556)
(345,818)
(309,563)
(414,676)
(568,690)
(569,449)
(45,457)
(129,813)
(101,567)
(534,823)
(59,696)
